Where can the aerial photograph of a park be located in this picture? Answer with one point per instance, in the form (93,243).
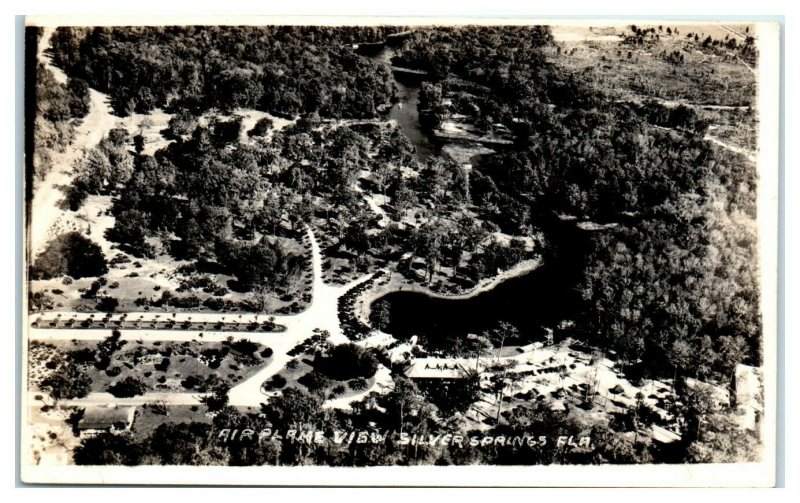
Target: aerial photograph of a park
(415,245)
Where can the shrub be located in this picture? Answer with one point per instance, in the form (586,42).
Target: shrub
(314,381)
(113,371)
(190,382)
(70,254)
(81,356)
(261,128)
(244,346)
(276,382)
(348,361)
(128,387)
(107,304)
(163,365)
(358,384)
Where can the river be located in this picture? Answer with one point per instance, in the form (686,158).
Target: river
(406,109)
(539,299)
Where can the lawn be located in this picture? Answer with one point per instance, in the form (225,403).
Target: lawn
(172,366)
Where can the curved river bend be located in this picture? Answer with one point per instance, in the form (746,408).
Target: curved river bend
(538,299)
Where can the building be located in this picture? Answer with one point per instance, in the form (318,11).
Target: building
(112,418)
(439,369)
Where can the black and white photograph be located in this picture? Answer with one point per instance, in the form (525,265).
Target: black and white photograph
(278,246)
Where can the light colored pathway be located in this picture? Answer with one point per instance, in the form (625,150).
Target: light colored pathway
(322,314)
(47,193)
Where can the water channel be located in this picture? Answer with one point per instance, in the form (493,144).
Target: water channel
(406,109)
(539,299)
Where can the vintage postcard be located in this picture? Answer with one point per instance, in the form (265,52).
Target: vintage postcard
(325,251)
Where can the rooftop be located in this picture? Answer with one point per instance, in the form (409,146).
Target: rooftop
(437,368)
(102,418)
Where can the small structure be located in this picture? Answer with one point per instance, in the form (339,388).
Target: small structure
(748,396)
(438,369)
(111,418)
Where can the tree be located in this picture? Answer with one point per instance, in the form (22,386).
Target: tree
(40,301)
(107,304)
(179,443)
(218,398)
(128,387)
(721,440)
(733,350)
(380,315)
(502,381)
(108,449)
(67,381)
(293,408)
(107,347)
(347,361)
(70,254)
(405,403)
(261,127)
(454,397)
(499,335)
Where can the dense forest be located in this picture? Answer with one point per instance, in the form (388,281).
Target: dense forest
(52,118)
(284,70)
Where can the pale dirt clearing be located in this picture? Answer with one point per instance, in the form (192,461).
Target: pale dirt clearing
(47,194)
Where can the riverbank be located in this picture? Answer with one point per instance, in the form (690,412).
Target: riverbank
(396,282)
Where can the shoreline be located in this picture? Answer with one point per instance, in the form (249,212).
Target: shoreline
(397,283)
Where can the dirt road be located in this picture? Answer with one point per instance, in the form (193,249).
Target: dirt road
(46,217)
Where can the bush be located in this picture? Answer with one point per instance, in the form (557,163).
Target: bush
(81,356)
(347,361)
(107,304)
(128,387)
(113,371)
(358,384)
(261,128)
(190,382)
(244,346)
(314,381)
(163,365)
(276,382)
(70,254)
(68,381)
(214,357)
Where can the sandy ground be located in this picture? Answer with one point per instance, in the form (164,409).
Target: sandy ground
(47,220)
(542,362)
(51,439)
(374,204)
